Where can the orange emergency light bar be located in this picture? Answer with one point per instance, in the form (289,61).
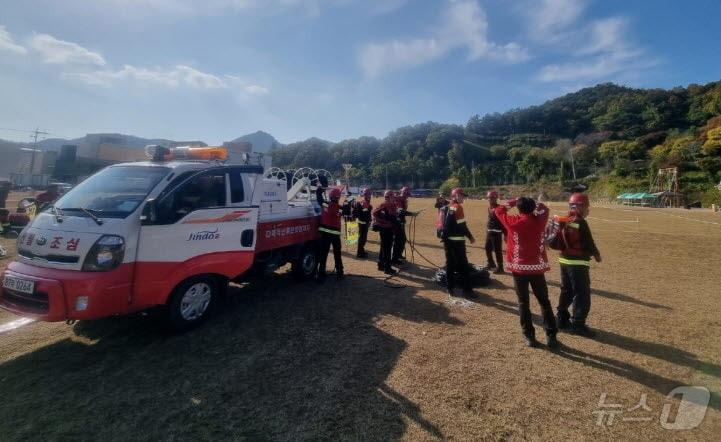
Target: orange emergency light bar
(162,153)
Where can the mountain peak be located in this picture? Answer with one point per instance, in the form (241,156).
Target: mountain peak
(261,141)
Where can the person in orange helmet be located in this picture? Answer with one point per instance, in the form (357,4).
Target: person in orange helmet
(399,240)
(577,249)
(494,235)
(385,222)
(329,229)
(362,212)
(454,243)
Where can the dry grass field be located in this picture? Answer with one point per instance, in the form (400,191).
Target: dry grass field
(359,360)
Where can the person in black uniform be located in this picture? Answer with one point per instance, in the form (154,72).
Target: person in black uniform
(576,252)
(385,222)
(362,211)
(329,230)
(454,243)
(494,235)
(399,241)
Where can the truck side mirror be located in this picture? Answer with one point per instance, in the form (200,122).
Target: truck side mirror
(149,215)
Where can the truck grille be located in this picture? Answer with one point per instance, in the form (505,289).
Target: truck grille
(36,303)
(60,259)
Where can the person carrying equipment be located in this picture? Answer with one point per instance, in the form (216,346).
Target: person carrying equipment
(494,235)
(526,259)
(441,201)
(330,219)
(385,222)
(399,241)
(347,206)
(362,211)
(576,247)
(454,234)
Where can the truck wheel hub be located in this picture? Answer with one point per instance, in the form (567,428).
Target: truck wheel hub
(195,301)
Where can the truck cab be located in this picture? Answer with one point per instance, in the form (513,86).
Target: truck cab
(169,232)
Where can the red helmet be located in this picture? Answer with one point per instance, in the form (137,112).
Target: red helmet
(389,194)
(367,192)
(455,193)
(405,191)
(579,199)
(334,193)
(492,194)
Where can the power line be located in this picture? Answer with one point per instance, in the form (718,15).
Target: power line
(36,132)
(31,132)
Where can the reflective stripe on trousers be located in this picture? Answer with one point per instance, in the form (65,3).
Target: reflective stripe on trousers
(574,262)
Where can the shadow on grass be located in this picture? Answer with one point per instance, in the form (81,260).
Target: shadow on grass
(637,374)
(618,297)
(280,361)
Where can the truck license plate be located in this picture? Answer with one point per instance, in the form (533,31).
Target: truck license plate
(19,285)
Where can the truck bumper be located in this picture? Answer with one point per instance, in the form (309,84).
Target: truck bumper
(66,294)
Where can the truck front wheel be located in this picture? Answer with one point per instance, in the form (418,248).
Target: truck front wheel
(304,265)
(191,302)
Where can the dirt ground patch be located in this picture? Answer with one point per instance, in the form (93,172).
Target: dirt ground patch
(358,360)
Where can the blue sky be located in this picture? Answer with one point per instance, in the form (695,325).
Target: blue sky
(217,69)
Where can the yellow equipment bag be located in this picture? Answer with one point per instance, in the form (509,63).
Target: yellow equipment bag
(351,232)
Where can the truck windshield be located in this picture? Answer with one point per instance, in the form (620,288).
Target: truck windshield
(114,192)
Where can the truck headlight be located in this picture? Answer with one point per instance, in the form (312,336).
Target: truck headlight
(106,254)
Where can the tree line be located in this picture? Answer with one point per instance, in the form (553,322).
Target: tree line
(602,132)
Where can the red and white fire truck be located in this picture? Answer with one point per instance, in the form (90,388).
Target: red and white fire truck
(169,232)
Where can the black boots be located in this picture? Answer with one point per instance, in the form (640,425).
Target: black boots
(563,321)
(531,341)
(551,341)
(582,330)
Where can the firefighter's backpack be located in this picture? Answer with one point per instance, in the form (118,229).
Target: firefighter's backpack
(555,235)
(443,222)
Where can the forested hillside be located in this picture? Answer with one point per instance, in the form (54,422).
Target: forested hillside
(617,137)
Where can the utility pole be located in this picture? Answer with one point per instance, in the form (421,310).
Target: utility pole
(36,132)
(573,165)
(386,177)
(347,168)
(473,173)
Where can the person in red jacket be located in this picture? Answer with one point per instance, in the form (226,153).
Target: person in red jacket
(330,218)
(526,260)
(494,235)
(399,241)
(385,222)
(362,211)
(578,248)
(51,194)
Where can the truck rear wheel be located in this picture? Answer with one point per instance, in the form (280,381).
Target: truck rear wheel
(304,266)
(191,302)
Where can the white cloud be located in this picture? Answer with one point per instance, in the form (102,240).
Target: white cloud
(57,51)
(606,35)
(387,6)
(464,25)
(604,50)
(233,81)
(191,8)
(383,57)
(550,17)
(179,76)
(254,89)
(8,44)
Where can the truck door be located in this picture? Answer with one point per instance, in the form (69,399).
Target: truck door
(203,226)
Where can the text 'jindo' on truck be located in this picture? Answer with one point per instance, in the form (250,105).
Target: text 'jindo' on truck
(172,232)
